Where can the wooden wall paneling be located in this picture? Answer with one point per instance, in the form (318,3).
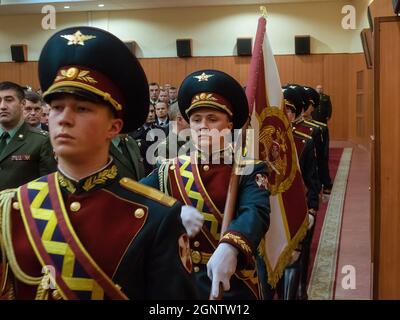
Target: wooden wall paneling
(28,74)
(356,64)
(151,67)
(335,83)
(243,64)
(198,63)
(308,69)
(228,65)
(285,65)
(9,71)
(387,156)
(172,71)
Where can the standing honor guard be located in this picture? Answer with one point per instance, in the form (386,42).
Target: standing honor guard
(214,104)
(86,232)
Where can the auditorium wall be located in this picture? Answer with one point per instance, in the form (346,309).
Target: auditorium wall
(213,29)
(344,77)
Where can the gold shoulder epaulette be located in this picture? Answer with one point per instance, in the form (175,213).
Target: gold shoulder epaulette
(303,135)
(311,124)
(319,123)
(147,192)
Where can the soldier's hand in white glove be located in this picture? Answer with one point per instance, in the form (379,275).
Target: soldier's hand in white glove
(192,220)
(221,267)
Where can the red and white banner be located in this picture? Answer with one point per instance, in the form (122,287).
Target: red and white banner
(289,218)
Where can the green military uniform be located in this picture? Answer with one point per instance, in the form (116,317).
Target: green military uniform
(127,157)
(105,236)
(27,156)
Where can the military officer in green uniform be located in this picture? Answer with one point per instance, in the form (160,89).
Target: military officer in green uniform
(214,104)
(86,232)
(25,152)
(126,153)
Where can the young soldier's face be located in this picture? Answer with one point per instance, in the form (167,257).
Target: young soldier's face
(10,108)
(81,129)
(32,112)
(211,129)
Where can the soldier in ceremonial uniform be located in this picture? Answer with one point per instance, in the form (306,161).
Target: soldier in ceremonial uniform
(213,103)
(323,148)
(86,232)
(295,276)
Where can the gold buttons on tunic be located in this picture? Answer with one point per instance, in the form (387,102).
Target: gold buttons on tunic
(196,256)
(196,269)
(15,205)
(139,213)
(75,206)
(196,244)
(56,295)
(206,167)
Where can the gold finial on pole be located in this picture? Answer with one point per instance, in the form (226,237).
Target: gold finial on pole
(264,12)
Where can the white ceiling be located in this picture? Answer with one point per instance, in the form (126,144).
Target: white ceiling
(10,7)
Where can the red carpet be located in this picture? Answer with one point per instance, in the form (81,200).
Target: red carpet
(334,158)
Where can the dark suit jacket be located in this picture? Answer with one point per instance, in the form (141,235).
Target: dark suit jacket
(131,167)
(29,155)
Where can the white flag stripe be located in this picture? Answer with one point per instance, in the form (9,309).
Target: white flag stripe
(272,80)
(275,239)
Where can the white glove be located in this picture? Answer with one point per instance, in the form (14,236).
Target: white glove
(192,220)
(310,221)
(221,267)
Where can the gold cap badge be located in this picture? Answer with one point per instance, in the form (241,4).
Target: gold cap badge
(77,38)
(203,77)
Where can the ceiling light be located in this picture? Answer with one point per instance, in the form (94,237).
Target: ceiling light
(101,5)
(67,7)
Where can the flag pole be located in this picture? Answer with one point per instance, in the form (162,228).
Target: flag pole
(251,90)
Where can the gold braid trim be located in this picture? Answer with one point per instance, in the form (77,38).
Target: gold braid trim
(100,178)
(6,197)
(286,255)
(66,183)
(238,240)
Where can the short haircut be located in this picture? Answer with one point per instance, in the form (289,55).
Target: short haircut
(154,84)
(8,85)
(161,102)
(33,97)
(173,111)
(172,88)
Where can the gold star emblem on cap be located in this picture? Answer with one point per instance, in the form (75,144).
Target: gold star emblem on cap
(77,38)
(203,77)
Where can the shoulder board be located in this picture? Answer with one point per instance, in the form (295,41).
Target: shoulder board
(147,192)
(319,123)
(39,131)
(311,124)
(303,135)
